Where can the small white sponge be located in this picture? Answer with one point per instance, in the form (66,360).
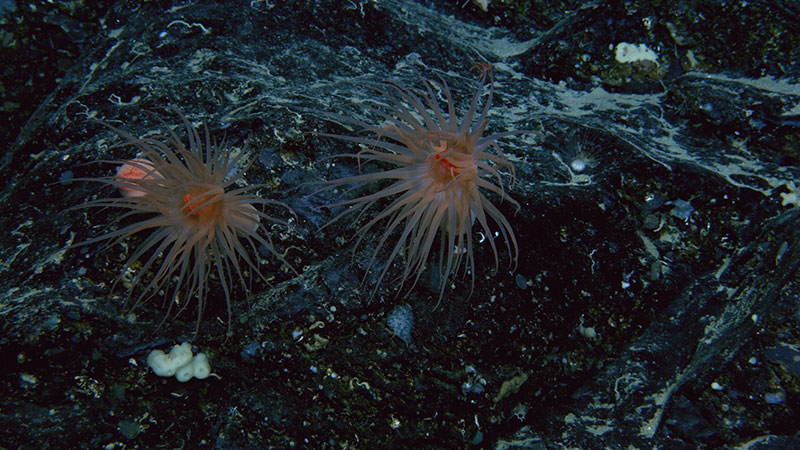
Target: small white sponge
(179,362)
(631,53)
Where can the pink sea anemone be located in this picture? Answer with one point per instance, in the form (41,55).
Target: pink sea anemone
(196,222)
(440,168)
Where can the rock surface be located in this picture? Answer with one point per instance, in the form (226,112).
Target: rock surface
(652,214)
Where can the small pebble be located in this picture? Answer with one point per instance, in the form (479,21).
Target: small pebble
(401,321)
(774,398)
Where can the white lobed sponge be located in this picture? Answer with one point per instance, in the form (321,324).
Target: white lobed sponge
(179,362)
(631,53)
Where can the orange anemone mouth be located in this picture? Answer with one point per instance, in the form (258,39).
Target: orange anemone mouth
(446,166)
(202,204)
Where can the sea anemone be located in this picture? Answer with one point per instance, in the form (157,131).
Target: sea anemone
(580,150)
(441,168)
(199,221)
